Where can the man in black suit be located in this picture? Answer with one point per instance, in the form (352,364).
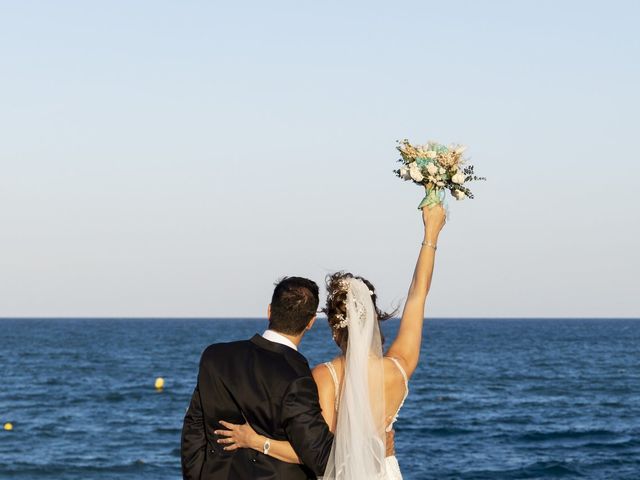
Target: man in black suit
(267,382)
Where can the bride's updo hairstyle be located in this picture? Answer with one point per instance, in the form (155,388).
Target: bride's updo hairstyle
(336,308)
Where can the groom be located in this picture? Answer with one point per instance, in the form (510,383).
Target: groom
(267,382)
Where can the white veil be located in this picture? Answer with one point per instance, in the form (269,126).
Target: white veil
(359,450)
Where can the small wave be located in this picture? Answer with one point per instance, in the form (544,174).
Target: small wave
(23,468)
(551,467)
(537,470)
(53,381)
(446,432)
(446,398)
(566,435)
(620,445)
(124,394)
(114,397)
(167,430)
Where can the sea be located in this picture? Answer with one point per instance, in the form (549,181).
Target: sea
(491,399)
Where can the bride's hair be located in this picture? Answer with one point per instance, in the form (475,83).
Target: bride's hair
(336,309)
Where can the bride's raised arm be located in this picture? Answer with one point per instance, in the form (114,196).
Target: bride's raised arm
(406,346)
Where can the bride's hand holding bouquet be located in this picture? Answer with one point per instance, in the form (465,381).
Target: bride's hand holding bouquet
(434,219)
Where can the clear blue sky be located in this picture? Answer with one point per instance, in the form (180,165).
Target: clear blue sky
(175,158)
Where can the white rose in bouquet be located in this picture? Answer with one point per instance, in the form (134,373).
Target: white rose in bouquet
(458,178)
(404,173)
(415,172)
(432,169)
(458,194)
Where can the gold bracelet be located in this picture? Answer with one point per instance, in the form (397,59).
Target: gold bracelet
(429,244)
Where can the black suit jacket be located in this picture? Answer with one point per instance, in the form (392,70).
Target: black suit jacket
(271,385)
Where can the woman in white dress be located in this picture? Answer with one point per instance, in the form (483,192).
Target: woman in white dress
(362,391)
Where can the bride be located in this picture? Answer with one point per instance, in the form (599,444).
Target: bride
(362,390)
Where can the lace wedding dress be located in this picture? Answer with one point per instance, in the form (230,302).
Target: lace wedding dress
(359,450)
(391,466)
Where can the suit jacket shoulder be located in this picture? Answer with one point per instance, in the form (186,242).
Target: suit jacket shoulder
(286,363)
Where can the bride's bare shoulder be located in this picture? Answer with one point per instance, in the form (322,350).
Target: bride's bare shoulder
(322,374)
(326,390)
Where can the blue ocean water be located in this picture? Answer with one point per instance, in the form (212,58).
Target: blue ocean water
(492,399)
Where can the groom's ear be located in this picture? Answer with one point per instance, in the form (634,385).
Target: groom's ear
(269,312)
(311,322)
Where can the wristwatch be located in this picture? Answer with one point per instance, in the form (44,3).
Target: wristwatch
(266,446)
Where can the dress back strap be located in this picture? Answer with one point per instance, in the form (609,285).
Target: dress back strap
(404,374)
(406,392)
(336,383)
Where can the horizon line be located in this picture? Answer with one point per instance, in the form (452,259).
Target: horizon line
(111,317)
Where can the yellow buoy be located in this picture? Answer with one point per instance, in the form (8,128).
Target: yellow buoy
(159,383)
(8,426)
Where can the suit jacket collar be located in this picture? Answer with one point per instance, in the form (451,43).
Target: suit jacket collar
(262,342)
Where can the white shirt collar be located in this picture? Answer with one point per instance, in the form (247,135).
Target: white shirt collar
(275,337)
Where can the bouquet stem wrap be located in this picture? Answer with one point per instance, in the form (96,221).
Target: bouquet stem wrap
(433,197)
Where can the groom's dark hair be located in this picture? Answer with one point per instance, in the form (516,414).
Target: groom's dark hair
(293,304)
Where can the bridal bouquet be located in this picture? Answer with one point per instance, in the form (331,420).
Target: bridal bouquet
(437,168)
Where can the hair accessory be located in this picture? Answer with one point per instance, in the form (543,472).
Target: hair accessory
(343,323)
(362,312)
